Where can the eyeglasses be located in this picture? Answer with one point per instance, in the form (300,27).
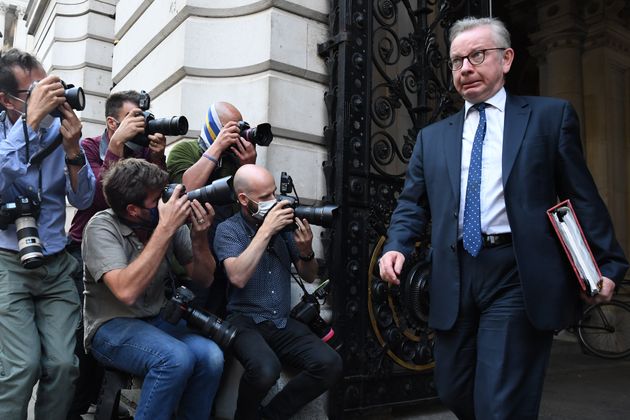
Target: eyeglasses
(475,58)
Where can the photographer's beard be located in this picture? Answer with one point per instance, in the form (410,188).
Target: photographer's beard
(147,221)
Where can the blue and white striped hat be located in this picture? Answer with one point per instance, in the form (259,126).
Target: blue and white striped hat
(212,126)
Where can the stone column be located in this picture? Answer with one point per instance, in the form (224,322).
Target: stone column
(3,12)
(21,37)
(606,70)
(558,48)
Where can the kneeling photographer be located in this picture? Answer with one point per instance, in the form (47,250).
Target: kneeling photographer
(257,247)
(41,163)
(128,252)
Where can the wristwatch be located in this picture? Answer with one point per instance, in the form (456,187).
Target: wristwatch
(308,257)
(77,160)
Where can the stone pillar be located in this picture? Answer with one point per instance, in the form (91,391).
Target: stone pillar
(3,12)
(558,48)
(606,70)
(21,36)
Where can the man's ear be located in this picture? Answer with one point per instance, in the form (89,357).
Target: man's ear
(242,199)
(132,210)
(5,101)
(111,124)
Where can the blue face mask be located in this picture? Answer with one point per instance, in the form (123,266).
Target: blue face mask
(150,223)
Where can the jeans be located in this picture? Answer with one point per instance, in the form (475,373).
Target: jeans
(262,348)
(181,369)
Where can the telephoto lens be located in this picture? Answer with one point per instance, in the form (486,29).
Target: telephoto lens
(207,324)
(29,245)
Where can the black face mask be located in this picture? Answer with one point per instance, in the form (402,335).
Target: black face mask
(147,224)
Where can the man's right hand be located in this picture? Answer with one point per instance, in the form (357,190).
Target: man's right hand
(390,266)
(45,96)
(228,136)
(279,217)
(174,212)
(130,127)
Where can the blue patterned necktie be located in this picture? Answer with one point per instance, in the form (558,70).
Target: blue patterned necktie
(472,206)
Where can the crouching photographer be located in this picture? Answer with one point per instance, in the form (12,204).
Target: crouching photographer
(41,163)
(128,251)
(257,247)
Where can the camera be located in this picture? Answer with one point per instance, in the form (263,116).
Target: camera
(260,135)
(24,212)
(169,126)
(218,192)
(209,325)
(307,312)
(74,96)
(315,215)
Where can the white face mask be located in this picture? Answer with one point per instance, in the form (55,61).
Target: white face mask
(45,123)
(263,208)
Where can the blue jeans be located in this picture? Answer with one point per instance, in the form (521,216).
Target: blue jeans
(181,369)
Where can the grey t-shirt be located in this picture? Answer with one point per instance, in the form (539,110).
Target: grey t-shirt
(108,245)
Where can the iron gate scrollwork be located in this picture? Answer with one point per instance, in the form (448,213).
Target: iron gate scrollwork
(388,79)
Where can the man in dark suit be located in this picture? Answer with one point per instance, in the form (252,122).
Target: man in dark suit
(501,283)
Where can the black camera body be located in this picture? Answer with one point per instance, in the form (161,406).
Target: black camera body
(307,312)
(208,325)
(260,135)
(315,215)
(24,212)
(75,97)
(219,192)
(169,126)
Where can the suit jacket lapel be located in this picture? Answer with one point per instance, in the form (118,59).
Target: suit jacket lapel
(453,150)
(517,113)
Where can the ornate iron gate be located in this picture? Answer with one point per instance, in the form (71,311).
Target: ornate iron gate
(388,79)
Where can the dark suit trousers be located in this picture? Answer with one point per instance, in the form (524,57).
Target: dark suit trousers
(492,363)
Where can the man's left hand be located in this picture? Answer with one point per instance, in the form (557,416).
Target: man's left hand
(70,128)
(201,218)
(604,295)
(245,151)
(303,236)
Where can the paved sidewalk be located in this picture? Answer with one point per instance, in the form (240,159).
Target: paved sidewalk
(577,387)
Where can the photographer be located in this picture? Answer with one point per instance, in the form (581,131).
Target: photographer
(124,121)
(128,251)
(257,252)
(218,152)
(41,162)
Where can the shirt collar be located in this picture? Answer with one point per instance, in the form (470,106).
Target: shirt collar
(497,101)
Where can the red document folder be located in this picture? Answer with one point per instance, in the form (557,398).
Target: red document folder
(569,231)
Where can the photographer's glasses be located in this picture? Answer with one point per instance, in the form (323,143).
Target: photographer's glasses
(475,58)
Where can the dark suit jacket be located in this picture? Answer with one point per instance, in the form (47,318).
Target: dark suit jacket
(542,163)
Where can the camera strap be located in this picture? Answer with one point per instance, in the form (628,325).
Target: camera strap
(43,154)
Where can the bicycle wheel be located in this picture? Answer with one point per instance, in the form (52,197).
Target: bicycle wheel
(605,329)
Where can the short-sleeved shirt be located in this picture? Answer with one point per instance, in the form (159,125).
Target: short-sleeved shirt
(108,244)
(267,294)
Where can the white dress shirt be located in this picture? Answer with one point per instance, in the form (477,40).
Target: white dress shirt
(493,215)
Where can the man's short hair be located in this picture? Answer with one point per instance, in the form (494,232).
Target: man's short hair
(115,101)
(501,34)
(8,61)
(130,181)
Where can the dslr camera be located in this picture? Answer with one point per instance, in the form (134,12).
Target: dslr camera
(307,312)
(260,135)
(207,324)
(219,192)
(24,212)
(315,215)
(75,97)
(169,126)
